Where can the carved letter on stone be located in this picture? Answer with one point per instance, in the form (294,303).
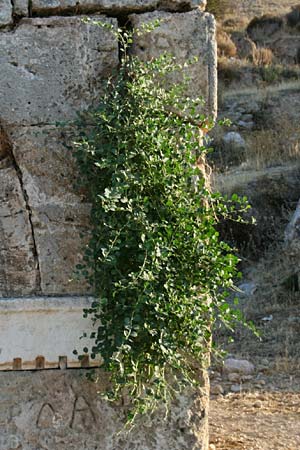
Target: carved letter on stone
(83,417)
(46,416)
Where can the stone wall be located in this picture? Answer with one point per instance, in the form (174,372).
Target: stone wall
(52,66)
(60,410)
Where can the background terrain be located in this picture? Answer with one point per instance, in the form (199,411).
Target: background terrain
(258,156)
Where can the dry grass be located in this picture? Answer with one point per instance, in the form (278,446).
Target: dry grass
(262,56)
(226,46)
(258,93)
(220,8)
(274,146)
(251,8)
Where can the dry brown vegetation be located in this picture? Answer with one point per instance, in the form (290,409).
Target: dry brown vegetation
(262,57)
(226,46)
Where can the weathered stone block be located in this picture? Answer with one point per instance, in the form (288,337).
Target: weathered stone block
(18,265)
(54,328)
(21,7)
(5,12)
(114,6)
(62,410)
(185,36)
(59,213)
(53,67)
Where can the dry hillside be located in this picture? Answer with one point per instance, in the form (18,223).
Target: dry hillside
(259,156)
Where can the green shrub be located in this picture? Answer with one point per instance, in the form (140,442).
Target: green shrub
(158,268)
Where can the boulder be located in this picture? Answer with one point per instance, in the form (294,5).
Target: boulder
(241,366)
(232,139)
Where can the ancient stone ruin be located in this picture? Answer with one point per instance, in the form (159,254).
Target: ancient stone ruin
(52,66)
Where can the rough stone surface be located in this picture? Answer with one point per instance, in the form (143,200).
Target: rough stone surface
(61,410)
(21,8)
(18,265)
(241,366)
(292,232)
(185,36)
(53,67)
(115,6)
(234,139)
(5,12)
(59,214)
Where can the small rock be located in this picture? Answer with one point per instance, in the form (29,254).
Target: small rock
(214,374)
(241,366)
(212,447)
(247,377)
(234,377)
(248,288)
(260,382)
(236,388)
(246,125)
(234,139)
(262,368)
(265,362)
(247,117)
(216,389)
(257,404)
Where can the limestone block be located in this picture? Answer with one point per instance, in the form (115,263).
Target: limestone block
(184,35)
(99,5)
(18,265)
(114,6)
(53,330)
(59,212)
(5,12)
(53,67)
(21,7)
(62,410)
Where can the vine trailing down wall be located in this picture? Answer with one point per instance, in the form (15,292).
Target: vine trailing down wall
(52,66)
(159,270)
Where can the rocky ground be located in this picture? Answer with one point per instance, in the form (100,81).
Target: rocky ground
(255,405)
(256,421)
(255,391)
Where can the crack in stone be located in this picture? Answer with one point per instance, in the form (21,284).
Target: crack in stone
(7,149)
(29,211)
